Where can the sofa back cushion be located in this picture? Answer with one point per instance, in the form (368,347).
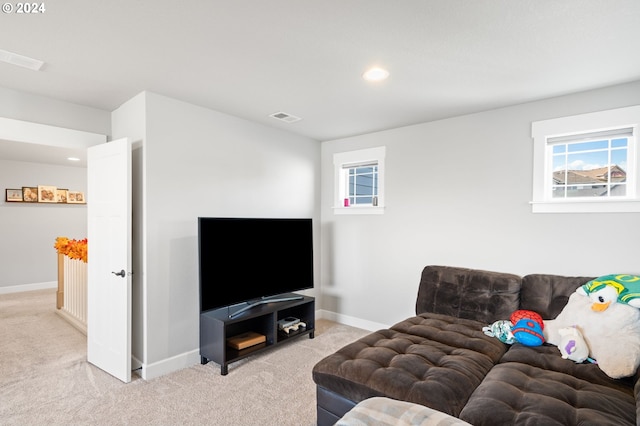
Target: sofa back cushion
(468,293)
(548,294)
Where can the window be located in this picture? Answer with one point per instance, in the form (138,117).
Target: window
(362,185)
(359,181)
(587,163)
(590,165)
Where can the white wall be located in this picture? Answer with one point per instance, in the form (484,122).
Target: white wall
(457,193)
(29,230)
(198,162)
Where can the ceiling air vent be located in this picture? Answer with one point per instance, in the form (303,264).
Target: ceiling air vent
(283,116)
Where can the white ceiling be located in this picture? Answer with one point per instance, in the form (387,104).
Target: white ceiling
(252,58)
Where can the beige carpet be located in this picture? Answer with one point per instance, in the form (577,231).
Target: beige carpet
(46,380)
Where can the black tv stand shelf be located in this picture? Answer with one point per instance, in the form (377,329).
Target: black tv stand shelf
(216,327)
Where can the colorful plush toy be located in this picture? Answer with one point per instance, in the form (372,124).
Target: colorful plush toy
(526,314)
(501,330)
(572,345)
(611,333)
(527,327)
(528,332)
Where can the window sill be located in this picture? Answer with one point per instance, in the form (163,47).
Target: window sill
(359,210)
(586,206)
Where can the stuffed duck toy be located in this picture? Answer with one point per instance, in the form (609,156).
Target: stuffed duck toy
(605,311)
(608,289)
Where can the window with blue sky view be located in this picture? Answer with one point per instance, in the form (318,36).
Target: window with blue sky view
(595,168)
(363,185)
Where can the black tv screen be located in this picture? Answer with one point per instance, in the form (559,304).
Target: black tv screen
(247,259)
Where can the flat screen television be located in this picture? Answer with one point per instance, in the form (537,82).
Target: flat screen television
(252,261)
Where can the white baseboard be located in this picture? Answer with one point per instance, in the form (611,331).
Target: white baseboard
(348,320)
(169,365)
(79,325)
(28,287)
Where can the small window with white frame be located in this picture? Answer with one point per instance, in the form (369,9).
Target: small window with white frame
(359,181)
(587,163)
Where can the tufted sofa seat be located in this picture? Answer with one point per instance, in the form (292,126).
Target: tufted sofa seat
(441,359)
(431,359)
(537,386)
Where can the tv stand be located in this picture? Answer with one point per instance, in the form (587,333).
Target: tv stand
(262,302)
(218,325)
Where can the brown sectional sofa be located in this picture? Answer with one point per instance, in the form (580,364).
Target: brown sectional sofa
(441,359)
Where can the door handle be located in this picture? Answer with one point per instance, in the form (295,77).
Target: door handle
(120,274)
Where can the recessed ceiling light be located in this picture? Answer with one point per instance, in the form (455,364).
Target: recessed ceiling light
(73,159)
(375,74)
(20,60)
(285,117)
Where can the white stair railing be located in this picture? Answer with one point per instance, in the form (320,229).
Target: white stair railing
(74,284)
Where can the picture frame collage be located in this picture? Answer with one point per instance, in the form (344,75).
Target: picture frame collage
(44,194)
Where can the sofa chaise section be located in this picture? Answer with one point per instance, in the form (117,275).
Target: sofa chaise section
(435,359)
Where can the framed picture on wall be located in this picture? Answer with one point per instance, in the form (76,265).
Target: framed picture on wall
(75,197)
(61,195)
(30,194)
(47,194)
(13,195)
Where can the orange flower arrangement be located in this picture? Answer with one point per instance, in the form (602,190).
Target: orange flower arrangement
(75,249)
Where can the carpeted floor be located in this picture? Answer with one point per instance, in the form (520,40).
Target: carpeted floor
(46,380)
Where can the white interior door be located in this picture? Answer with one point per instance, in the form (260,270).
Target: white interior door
(109,264)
